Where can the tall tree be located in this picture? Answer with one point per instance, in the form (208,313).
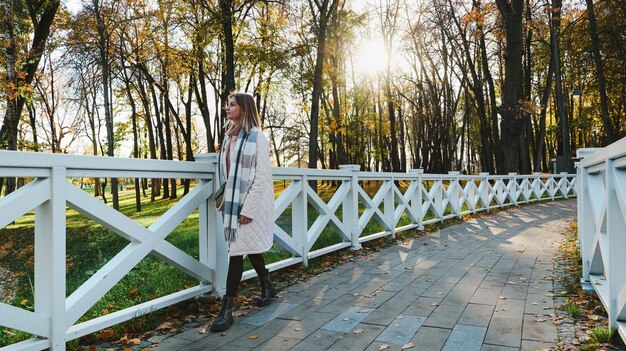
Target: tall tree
(21,72)
(597,59)
(512,12)
(322,12)
(104,43)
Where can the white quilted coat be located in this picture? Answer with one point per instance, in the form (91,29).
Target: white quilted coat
(257,236)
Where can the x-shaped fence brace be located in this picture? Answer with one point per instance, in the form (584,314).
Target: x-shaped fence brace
(55,318)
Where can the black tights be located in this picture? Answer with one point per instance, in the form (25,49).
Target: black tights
(235,271)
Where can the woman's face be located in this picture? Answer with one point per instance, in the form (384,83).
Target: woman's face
(233,111)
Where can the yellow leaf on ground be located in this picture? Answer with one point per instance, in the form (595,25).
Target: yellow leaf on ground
(253,337)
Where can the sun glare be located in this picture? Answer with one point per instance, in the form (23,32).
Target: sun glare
(371,57)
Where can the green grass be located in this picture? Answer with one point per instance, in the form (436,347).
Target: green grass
(573,310)
(601,334)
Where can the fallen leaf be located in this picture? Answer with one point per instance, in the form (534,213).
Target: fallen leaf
(359,331)
(134,341)
(383,347)
(223,334)
(407,346)
(365,310)
(297,329)
(346,319)
(202,331)
(253,337)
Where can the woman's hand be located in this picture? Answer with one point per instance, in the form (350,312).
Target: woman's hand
(244,220)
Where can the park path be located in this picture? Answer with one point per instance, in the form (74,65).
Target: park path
(482,285)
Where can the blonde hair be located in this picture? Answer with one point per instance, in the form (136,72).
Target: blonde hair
(249,113)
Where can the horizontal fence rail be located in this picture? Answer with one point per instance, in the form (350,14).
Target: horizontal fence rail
(601,223)
(350,206)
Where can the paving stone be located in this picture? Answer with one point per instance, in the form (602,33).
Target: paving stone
(504,331)
(213,341)
(461,294)
(493,281)
(232,348)
(478,315)
(401,330)
(258,336)
(335,292)
(438,290)
(528,345)
(347,320)
(538,331)
(423,306)
(339,305)
(319,340)
(431,339)
(465,338)
(515,291)
(273,311)
(278,343)
(487,347)
(539,304)
(305,309)
(304,328)
(387,312)
(351,341)
(486,296)
(397,284)
(445,316)
(376,299)
(509,308)
(172,344)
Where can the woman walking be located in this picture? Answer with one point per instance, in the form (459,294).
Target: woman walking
(247,203)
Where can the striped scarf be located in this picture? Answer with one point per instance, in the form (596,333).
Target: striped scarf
(240,176)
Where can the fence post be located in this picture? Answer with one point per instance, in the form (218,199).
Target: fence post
(616,241)
(50,252)
(213,247)
(351,206)
(299,218)
(563,184)
(536,189)
(417,203)
(454,192)
(512,187)
(389,206)
(484,192)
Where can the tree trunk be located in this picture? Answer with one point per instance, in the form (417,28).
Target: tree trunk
(541,136)
(103,47)
(228,70)
(560,98)
(511,124)
(597,58)
(326,9)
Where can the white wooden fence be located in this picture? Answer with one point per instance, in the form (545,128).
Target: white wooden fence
(401,201)
(602,228)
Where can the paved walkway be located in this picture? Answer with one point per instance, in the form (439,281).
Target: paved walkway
(482,285)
